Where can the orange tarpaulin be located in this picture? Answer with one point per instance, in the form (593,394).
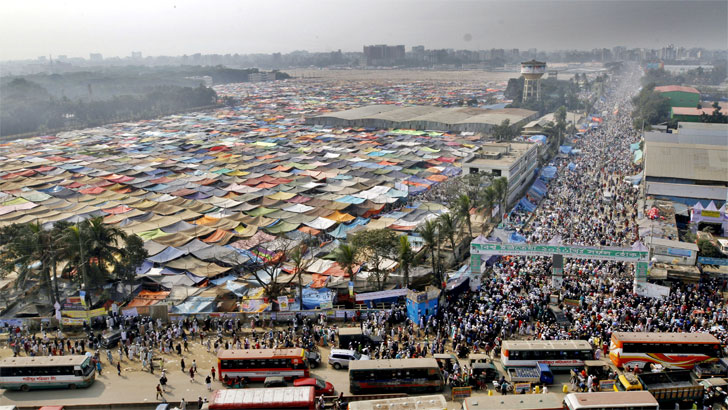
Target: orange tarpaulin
(309,230)
(437,178)
(219,236)
(206,220)
(340,217)
(319,281)
(148,298)
(92,191)
(336,270)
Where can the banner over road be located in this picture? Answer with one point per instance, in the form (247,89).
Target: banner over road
(569,251)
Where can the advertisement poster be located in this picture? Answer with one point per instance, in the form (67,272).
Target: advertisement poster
(283,303)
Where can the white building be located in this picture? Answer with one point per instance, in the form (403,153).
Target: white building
(516,161)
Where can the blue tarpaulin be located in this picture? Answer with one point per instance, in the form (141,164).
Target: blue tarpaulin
(565,149)
(548,173)
(516,238)
(571,166)
(541,139)
(526,205)
(313,298)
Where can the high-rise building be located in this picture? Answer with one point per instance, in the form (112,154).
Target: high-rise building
(95,57)
(383,54)
(136,55)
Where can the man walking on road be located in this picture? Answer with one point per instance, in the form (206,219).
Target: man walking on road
(160,395)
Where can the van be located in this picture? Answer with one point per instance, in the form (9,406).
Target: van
(353,336)
(340,358)
(607,197)
(723,246)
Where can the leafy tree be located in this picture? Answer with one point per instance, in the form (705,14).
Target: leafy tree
(134,256)
(504,131)
(650,107)
(716,116)
(376,246)
(514,89)
(269,274)
(708,249)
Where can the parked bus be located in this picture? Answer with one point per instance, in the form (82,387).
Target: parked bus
(300,398)
(555,353)
(46,372)
(433,402)
(549,401)
(671,350)
(632,400)
(257,364)
(398,375)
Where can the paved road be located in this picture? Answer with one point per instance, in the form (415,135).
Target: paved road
(136,386)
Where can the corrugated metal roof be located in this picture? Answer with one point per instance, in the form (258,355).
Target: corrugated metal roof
(686,161)
(673,88)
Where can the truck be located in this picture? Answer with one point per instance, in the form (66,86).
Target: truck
(541,373)
(672,386)
(349,337)
(714,369)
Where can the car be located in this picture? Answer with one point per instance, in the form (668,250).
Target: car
(320,386)
(340,358)
(110,339)
(275,382)
(314,358)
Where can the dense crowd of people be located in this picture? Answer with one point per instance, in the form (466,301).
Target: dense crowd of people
(513,299)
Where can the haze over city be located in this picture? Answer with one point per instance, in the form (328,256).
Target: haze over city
(357,205)
(41,28)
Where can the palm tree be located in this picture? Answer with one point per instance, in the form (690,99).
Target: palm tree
(29,249)
(488,199)
(428,232)
(448,227)
(346,256)
(500,186)
(406,257)
(462,209)
(93,246)
(300,264)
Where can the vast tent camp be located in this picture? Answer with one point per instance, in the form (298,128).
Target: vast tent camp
(210,193)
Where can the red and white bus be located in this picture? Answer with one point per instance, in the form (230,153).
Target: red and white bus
(301,398)
(671,350)
(257,364)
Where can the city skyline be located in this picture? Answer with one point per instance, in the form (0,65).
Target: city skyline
(225,27)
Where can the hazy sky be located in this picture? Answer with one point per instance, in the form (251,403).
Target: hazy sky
(32,28)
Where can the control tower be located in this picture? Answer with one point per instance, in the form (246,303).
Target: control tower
(532,71)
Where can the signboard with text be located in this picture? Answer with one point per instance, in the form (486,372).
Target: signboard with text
(459,393)
(519,249)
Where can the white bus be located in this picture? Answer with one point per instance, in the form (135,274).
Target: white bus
(46,372)
(433,402)
(632,400)
(555,353)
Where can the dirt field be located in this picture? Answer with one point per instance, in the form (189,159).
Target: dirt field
(410,75)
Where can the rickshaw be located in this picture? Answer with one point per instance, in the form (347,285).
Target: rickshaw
(597,368)
(479,358)
(446,361)
(482,373)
